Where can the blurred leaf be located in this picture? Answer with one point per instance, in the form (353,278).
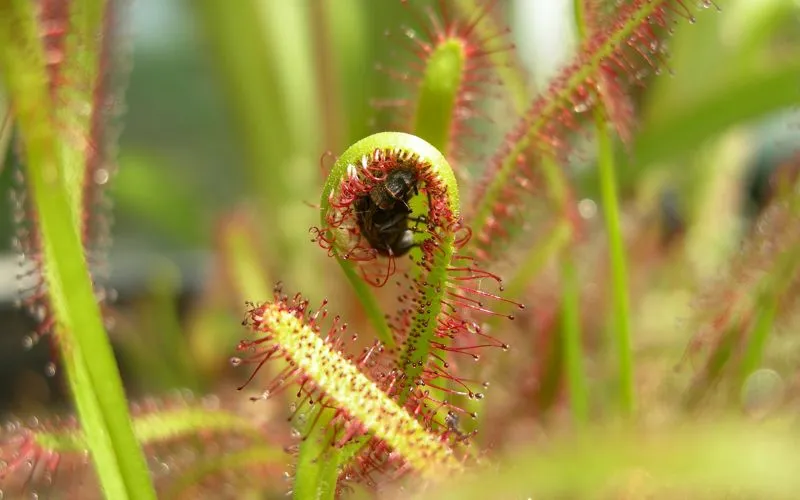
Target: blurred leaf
(160,199)
(738,100)
(704,459)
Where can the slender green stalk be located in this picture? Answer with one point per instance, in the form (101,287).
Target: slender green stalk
(616,244)
(507,68)
(573,341)
(88,360)
(317,465)
(619,273)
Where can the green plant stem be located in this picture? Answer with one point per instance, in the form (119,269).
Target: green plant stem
(572,340)
(88,360)
(507,68)
(619,274)
(316,468)
(616,242)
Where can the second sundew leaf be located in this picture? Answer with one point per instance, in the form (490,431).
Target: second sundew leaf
(288,328)
(554,114)
(439,92)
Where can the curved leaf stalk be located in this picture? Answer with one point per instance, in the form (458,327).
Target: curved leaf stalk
(608,191)
(554,242)
(575,372)
(87,356)
(505,65)
(619,273)
(351,178)
(289,329)
(315,477)
(552,115)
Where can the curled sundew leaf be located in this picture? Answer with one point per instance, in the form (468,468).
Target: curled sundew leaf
(390,212)
(443,289)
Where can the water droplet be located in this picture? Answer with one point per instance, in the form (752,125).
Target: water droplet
(50,369)
(27,342)
(235,361)
(101,176)
(762,392)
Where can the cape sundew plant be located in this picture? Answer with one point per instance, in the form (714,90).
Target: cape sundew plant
(576,289)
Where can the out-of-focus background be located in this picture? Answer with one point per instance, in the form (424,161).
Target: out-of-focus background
(217,134)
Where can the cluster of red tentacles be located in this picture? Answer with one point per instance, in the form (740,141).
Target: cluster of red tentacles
(342,235)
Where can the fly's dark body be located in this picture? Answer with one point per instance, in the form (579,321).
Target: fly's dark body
(383,214)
